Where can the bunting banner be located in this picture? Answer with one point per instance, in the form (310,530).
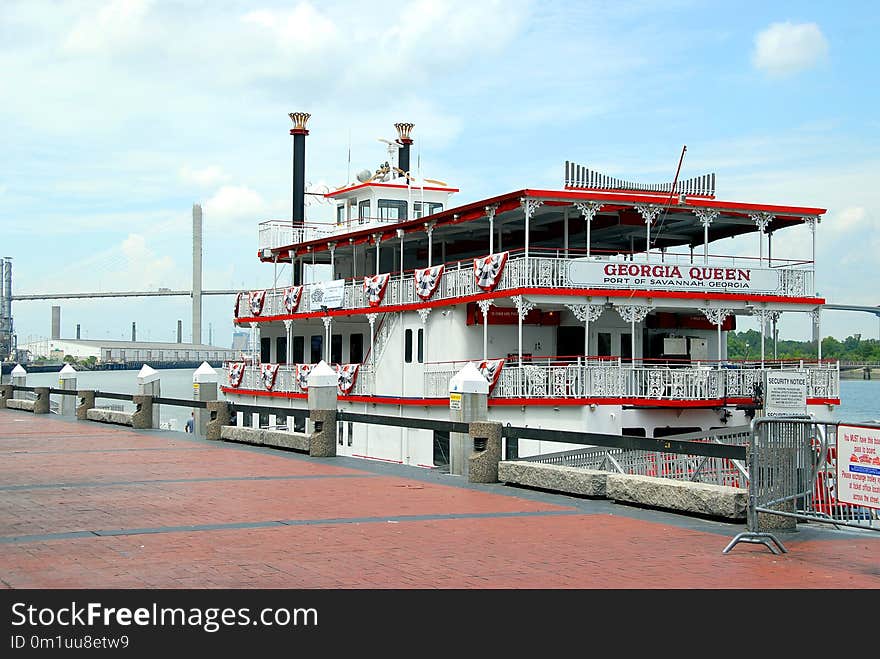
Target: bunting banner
(237,300)
(302,375)
(374,288)
(488,270)
(491,369)
(292,295)
(347,375)
(427,280)
(256,299)
(236,373)
(268,374)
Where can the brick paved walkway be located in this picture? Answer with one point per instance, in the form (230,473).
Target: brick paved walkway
(85,505)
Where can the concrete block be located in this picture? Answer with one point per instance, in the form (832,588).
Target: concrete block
(5,394)
(557,478)
(86,403)
(20,404)
(686,496)
(219,411)
(274,438)
(483,461)
(109,416)
(41,404)
(322,442)
(143,415)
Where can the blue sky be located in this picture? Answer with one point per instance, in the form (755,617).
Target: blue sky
(117,116)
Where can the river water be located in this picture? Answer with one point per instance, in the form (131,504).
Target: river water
(860,399)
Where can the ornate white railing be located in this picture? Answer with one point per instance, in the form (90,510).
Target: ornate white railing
(286,382)
(458,280)
(613,380)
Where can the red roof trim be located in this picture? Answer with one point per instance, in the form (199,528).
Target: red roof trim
(371,184)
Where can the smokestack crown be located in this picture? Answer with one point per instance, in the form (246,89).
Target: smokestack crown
(299,120)
(403,132)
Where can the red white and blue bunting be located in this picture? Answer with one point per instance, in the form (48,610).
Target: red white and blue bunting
(255,300)
(374,288)
(427,280)
(236,373)
(488,270)
(491,369)
(237,301)
(292,297)
(302,375)
(268,374)
(347,374)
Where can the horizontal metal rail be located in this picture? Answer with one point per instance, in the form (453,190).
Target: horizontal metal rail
(404,422)
(665,445)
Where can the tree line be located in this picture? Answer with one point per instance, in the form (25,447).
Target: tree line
(747,345)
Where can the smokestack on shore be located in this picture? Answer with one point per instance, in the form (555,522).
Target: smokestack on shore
(56,322)
(299,132)
(403,137)
(133,332)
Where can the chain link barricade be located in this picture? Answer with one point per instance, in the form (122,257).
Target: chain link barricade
(793,473)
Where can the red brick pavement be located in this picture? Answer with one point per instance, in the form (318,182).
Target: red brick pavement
(337,547)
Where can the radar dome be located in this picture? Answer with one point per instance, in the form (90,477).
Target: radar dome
(364,175)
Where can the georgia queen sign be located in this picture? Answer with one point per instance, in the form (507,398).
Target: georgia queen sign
(667,276)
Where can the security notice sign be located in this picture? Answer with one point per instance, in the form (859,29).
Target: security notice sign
(785,393)
(858,466)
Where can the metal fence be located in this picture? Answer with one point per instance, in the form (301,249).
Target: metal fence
(793,468)
(663,464)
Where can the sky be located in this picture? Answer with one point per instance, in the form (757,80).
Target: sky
(116,116)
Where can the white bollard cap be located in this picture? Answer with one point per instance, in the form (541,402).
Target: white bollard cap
(19,370)
(469,380)
(147,374)
(205,373)
(323,376)
(67,371)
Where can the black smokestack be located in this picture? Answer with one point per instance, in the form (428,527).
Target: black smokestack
(77,330)
(403,132)
(299,133)
(133,333)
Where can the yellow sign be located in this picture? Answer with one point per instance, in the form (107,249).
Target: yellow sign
(455,401)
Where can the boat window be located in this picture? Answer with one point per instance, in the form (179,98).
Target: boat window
(429,207)
(407,347)
(421,347)
(336,349)
(299,349)
(363,211)
(281,350)
(626,346)
(632,432)
(392,209)
(356,348)
(317,349)
(265,349)
(603,344)
(340,214)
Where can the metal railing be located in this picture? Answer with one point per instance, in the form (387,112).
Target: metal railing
(662,464)
(458,280)
(615,379)
(286,380)
(793,472)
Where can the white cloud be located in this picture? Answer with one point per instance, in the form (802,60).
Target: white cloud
(236,205)
(210,175)
(117,24)
(849,218)
(302,29)
(786,48)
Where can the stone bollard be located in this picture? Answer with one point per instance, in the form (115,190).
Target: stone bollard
(143,416)
(149,385)
(483,462)
(86,403)
(41,404)
(219,413)
(5,394)
(323,390)
(468,402)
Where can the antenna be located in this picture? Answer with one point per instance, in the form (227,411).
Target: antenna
(671,194)
(348,168)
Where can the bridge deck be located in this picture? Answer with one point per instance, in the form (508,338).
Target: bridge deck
(92,506)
